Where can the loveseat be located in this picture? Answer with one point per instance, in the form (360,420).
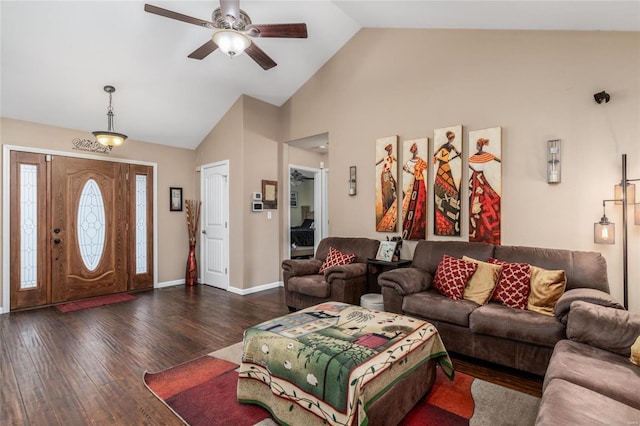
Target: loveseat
(305,285)
(518,338)
(591,379)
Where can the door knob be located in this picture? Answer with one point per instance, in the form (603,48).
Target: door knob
(56,231)
(57,241)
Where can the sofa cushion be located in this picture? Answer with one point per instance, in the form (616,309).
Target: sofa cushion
(583,268)
(565,403)
(601,371)
(428,254)
(336,258)
(311,285)
(613,330)
(482,283)
(431,305)
(514,284)
(635,352)
(497,320)
(546,288)
(452,276)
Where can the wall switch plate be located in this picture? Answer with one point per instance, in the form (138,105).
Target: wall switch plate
(268,215)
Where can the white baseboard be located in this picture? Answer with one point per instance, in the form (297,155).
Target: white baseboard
(168,283)
(245,291)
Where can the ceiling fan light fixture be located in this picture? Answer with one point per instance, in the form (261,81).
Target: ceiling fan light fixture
(231,42)
(110,137)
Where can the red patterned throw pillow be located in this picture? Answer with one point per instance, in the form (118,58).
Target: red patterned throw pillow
(452,276)
(335,258)
(514,284)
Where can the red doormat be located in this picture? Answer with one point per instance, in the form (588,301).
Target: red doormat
(203,392)
(92,303)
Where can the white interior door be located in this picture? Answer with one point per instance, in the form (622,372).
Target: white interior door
(215,225)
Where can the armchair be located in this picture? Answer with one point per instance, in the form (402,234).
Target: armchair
(304,285)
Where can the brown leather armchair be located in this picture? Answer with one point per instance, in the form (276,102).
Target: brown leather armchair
(304,286)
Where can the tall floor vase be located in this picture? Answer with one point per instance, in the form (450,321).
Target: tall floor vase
(191,274)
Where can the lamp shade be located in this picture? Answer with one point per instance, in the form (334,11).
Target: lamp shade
(604,232)
(631,193)
(231,42)
(110,138)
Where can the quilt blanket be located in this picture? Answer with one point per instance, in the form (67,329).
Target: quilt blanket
(324,357)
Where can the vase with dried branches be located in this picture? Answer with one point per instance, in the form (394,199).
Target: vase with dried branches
(192,208)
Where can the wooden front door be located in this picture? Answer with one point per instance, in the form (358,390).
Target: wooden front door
(88,225)
(79,228)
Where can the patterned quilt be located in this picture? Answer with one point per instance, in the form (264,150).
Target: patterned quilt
(323,357)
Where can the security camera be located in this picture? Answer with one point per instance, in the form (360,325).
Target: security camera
(602,96)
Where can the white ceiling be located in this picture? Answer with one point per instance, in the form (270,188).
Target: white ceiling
(56,56)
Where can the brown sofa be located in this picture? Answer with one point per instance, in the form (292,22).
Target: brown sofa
(305,287)
(590,379)
(493,332)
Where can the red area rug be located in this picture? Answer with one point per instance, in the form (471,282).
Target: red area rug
(203,392)
(92,303)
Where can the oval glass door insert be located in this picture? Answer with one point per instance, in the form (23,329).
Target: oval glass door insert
(91,224)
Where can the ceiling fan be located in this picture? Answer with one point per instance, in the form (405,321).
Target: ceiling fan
(233,31)
(297,178)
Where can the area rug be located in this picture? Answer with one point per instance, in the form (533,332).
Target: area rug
(92,303)
(203,392)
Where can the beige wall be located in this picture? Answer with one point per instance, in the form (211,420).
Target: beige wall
(175,167)
(248,136)
(536,85)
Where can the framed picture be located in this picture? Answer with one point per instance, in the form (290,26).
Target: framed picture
(175,199)
(386,250)
(447,180)
(270,194)
(293,199)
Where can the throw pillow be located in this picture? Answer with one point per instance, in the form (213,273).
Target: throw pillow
(482,283)
(335,258)
(635,352)
(452,275)
(546,288)
(514,284)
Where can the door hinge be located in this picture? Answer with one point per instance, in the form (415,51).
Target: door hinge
(226,224)
(48,157)
(225,271)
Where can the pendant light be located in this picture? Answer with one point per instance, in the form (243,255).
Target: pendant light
(110,137)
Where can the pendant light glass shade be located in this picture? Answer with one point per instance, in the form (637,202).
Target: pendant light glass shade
(631,193)
(110,137)
(231,42)
(636,214)
(604,232)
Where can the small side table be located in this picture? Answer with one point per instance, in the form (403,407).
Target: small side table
(379,266)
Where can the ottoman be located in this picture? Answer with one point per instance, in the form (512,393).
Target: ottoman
(340,364)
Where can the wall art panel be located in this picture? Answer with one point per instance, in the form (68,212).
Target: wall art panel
(448,162)
(386,184)
(414,180)
(485,185)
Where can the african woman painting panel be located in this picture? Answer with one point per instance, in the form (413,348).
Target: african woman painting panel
(414,201)
(386,184)
(447,156)
(485,185)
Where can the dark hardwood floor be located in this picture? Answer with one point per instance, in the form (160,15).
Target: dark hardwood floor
(86,367)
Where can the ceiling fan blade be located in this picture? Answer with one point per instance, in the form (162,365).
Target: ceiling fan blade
(178,16)
(278,30)
(204,50)
(230,7)
(260,57)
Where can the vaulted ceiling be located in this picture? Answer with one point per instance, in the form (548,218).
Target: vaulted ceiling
(57,55)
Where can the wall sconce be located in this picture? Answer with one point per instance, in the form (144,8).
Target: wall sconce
(553,161)
(604,231)
(352,181)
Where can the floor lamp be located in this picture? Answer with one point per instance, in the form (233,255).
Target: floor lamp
(604,231)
